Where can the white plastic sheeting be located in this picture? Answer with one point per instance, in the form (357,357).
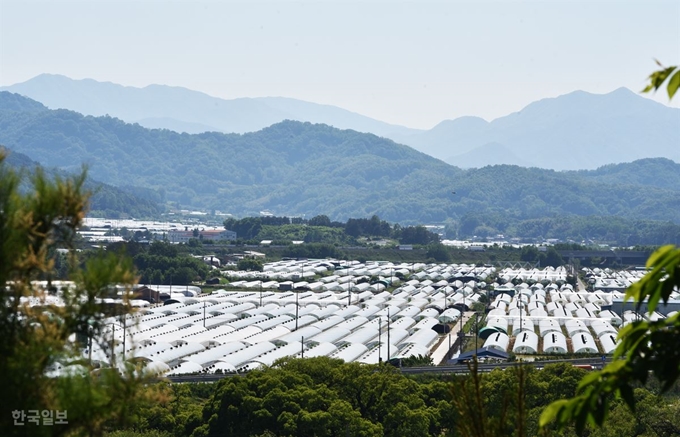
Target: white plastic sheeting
(423,337)
(361,336)
(583,343)
(611,317)
(301,334)
(526,343)
(498,323)
(350,352)
(242,356)
(575,326)
(498,341)
(451,315)
(555,342)
(186,367)
(268,358)
(209,356)
(608,342)
(378,354)
(321,350)
(601,327)
(521,325)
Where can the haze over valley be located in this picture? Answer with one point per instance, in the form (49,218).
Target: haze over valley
(575,131)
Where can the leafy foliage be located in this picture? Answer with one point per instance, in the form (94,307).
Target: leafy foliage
(250,264)
(322,397)
(659,77)
(164,264)
(35,339)
(647,348)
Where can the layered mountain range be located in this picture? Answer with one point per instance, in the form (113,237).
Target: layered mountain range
(570,132)
(296,168)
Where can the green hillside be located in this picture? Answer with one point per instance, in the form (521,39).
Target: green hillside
(654,172)
(106,200)
(294,168)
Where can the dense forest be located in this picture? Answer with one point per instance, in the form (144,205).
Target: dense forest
(300,169)
(106,200)
(325,397)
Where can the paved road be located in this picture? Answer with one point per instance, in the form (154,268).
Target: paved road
(439,354)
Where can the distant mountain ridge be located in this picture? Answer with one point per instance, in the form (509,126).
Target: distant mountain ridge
(571,132)
(575,131)
(293,168)
(184,110)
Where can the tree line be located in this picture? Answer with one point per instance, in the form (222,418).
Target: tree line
(328,397)
(320,229)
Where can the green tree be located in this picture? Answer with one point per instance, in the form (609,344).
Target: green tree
(438,252)
(35,338)
(320,220)
(646,348)
(322,397)
(250,264)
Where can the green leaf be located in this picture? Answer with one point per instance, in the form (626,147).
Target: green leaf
(551,412)
(659,254)
(626,393)
(674,84)
(590,378)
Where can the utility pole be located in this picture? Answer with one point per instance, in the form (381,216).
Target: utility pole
(521,306)
(379,340)
(297,307)
(461,316)
(302,346)
(476,331)
(449,351)
(204,314)
(113,340)
(388,335)
(297,298)
(124,326)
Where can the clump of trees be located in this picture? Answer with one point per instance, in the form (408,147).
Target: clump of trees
(249,264)
(544,258)
(321,229)
(163,263)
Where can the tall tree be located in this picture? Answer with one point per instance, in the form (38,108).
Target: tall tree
(36,332)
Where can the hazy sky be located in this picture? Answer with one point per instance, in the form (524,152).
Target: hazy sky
(409,63)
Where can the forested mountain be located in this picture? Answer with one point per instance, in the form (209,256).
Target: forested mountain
(575,131)
(294,168)
(106,200)
(184,110)
(655,172)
